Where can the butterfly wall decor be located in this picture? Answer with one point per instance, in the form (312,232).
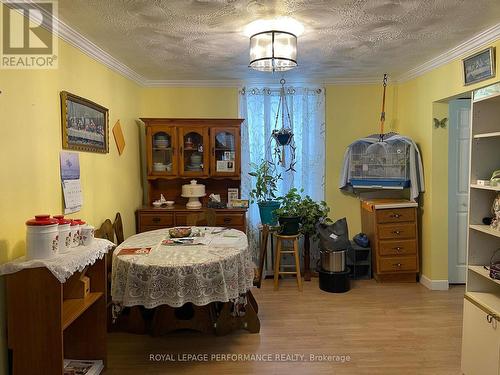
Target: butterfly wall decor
(440,123)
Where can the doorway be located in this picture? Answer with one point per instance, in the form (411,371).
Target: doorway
(459,114)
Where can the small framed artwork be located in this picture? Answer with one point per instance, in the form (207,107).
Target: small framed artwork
(229,155)
(480,66)
(232,194)
(239,203)
(225,166)
(85,124)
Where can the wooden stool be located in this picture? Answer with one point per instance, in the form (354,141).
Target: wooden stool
(279,240)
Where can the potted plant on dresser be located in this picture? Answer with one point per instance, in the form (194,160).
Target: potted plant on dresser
(264,192)
(313,213)
(290,212)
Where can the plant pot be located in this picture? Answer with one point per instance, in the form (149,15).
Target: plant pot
(289,225)
(283,138)
(266,210)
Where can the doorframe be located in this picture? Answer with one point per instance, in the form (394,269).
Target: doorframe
(452,198)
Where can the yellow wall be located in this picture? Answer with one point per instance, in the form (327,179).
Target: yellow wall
(209,102)
(31,141)
(415,114)
(352,112)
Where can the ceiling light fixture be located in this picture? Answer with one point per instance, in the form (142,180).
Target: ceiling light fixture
(273,44)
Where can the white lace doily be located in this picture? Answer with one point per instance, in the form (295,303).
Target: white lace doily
(220,270)
(63,265)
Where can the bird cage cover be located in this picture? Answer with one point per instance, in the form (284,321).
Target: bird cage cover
(381,164)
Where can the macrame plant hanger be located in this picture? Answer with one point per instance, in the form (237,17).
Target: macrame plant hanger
(283,136)
(381,145)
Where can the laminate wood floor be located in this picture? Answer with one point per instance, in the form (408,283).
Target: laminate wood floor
(383,328)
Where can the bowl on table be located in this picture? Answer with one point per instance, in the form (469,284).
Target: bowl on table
(179,232)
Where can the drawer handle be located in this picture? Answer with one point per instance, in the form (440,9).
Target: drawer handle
(396,232)
(227,220)
(156,220)
(396,216)
(398,248)
(397,265)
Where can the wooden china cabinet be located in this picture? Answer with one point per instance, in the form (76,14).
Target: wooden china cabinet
(179,150)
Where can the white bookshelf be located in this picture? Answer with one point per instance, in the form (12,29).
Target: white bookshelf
(480,270)
(487,135)
(481,326)
(481,187)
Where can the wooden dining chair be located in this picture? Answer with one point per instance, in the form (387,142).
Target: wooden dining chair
(105,231)
(118,228)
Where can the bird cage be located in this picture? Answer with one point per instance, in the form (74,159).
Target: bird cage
(380,165)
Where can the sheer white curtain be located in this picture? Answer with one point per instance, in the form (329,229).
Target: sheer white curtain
(258,106)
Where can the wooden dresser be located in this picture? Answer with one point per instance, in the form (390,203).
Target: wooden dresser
(157,218)
(393,234)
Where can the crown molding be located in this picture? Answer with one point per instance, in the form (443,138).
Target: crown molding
(77,40)
(192,83)
(485,37)
(353,81)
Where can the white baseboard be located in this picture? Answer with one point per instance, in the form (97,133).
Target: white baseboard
(433,284)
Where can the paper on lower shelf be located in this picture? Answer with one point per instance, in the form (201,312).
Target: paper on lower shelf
(83,367)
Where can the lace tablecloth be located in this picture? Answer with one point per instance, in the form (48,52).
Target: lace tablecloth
(63,265)
(219,270)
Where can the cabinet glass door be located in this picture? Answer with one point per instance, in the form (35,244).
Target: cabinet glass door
(162,143)
(225,152)
(194,153)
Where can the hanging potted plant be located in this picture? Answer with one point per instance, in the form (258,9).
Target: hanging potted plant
(313,213)
(264,192)
(290,214)
(283,136)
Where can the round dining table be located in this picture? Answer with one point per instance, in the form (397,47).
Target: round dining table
(212,272)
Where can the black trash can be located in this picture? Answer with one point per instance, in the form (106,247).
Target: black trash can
(334,282)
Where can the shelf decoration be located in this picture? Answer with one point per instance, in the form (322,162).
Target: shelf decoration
(495,210)
(283,136)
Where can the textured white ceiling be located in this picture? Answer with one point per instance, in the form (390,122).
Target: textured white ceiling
(347,39)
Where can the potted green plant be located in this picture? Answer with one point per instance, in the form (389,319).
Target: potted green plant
(264,192)
(312,213)
(290,213)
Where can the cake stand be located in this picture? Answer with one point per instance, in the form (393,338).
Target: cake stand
(193,192)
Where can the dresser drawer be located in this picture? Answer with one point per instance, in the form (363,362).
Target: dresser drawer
(194,218)
(230,219)
(397,264)
(391,247)
(395,215)
(160,220)
(395,231)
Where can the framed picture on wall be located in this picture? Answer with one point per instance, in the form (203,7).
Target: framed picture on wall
(479,66)
(85,124)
